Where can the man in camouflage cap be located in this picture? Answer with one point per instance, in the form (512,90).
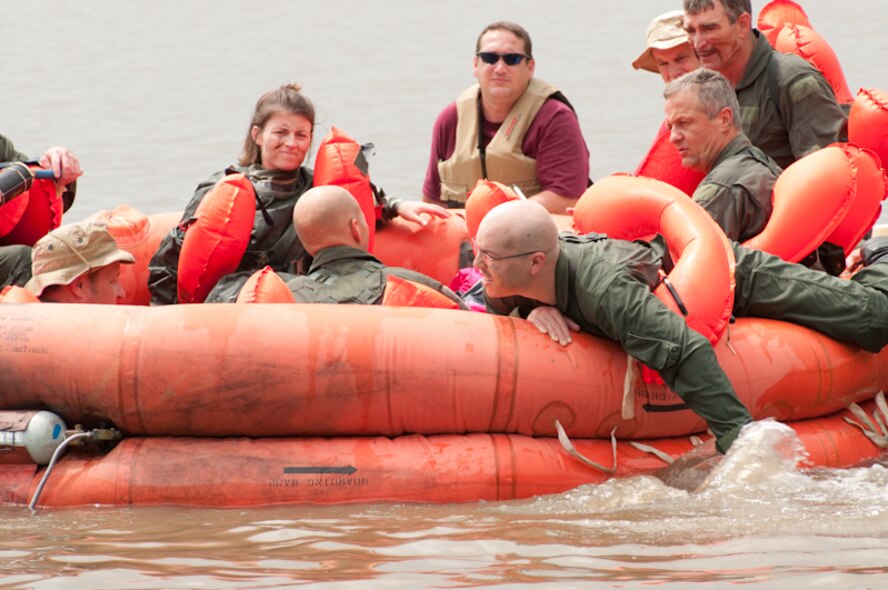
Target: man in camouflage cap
(78,263)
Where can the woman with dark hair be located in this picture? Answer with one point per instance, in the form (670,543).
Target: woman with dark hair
(277,142)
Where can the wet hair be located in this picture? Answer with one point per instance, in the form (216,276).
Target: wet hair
(286,99)
(513,28)
(712,90)
(734,8)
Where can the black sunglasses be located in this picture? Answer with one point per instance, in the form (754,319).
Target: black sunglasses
(511,59)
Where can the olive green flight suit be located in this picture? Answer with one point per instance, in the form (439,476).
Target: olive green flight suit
(605,287)
(787,107)
(342,274)
(737,191)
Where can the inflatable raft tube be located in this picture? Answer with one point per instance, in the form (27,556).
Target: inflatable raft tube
(445,468)
(326,370)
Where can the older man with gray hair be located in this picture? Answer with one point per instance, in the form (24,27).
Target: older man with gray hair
(703,116)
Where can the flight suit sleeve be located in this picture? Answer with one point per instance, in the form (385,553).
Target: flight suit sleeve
(8,153)
(732,209)
(812,114)
(629,313)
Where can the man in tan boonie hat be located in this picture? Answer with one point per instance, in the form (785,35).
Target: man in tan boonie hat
(669,51)
(79,262)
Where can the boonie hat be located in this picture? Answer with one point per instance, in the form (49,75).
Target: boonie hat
(64,254)
(665,32)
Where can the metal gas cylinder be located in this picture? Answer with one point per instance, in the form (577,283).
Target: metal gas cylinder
(30,435)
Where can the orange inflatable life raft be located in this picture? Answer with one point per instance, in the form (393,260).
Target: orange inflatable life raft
(444,468)
(351,370)
(486,195)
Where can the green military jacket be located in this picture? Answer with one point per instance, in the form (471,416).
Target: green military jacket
(787,107)
(605,287)
(737,190)
(342,274)
(273,241)
(8,153)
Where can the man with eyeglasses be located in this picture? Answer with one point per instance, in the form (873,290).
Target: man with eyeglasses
(603,287)
(509,127)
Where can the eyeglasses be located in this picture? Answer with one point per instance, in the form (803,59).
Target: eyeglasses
(510,59)
(488,257)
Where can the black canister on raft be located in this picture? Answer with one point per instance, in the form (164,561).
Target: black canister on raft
(15,179)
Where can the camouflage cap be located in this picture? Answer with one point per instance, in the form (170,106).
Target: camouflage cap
(64,254)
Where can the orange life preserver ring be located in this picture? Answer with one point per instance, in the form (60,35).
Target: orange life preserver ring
(808,44)
(777,13)
(868,121)
(16,294)
(662,162)
(406,293)
(486,195)
(628,207)
(265,286)
(811,198)
(216,237)
(40,214)
(337,164)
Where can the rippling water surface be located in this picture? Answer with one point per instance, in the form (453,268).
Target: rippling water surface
(154,96)
(752,519)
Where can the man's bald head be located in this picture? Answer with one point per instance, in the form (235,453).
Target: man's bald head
(518,226)
(517,251)
(327,216)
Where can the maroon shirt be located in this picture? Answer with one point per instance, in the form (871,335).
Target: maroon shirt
(554,140)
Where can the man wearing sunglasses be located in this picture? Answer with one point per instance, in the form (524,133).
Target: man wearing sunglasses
(603,287)
(509,127)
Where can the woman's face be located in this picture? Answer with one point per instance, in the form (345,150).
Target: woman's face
(283,141)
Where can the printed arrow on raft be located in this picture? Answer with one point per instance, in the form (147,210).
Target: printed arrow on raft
(347,470)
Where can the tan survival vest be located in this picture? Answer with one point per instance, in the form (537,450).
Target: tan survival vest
(504,160)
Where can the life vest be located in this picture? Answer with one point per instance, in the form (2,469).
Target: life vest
(866,208)
(216,237)
(663,162)
(701,284)
(486,195)
(265,286)
(808,44)
(811,198)
(405,293)
(341,162)
(503,159)
(868,121)
(32,214)
(775,14)
(15,294)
